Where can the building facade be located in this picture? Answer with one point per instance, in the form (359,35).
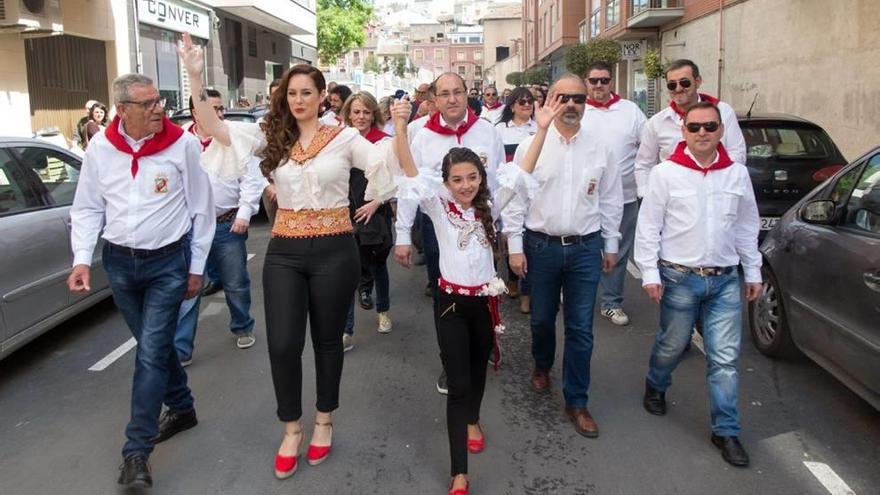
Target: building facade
(550,26)
(502,38)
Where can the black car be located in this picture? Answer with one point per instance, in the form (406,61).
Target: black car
(787,157)
(182,117)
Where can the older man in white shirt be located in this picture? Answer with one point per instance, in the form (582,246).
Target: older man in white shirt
(662,133)
(618,123)
(698,222)
(572,215)
(142,183)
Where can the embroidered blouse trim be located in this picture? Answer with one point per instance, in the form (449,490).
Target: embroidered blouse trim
(322,138)
(467,229)
(311,223)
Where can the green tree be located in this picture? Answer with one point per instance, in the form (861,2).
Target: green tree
(341,26)
(514,78)
(579,57)
(371,64)
(536,75)
(398,65)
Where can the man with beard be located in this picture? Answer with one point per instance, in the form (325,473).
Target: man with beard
(571,216)
(336,97)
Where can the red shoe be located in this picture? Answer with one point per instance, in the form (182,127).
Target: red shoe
(476,446)
(318,454)
(285,466)
(459,491)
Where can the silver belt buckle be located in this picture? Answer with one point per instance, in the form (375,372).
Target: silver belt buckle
(563,240)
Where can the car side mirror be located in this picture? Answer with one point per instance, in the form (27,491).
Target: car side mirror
(819,212)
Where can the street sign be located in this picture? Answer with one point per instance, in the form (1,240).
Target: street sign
(632,49)
(175,16)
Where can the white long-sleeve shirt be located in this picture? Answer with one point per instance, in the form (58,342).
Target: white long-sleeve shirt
(698,219)
(429,148)
(169,196)
(619,127)
(662,133)
(491,115)
(577,191)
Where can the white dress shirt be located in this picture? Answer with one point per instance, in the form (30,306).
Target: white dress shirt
(619,127)
(169,196)
(415,126)
(330,118)
(429,148)
(662,134)
(511,134)
(576,190)
(698,219)
(493,116)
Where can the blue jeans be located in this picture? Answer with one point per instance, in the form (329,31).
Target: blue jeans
(148,292)
(227,261)
(575,269)
(611,284)
(717,302)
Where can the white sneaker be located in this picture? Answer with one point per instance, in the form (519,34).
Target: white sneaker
(245,341)
(617,316)
(347,342)
(384,322)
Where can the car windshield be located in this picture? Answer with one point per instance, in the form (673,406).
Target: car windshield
(787,142)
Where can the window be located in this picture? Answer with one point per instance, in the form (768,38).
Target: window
(459,55)
(788,142)
(582,32)
(462,70)
(58,173)
(594,24)
(612,13)
(438,54)
(478,72)
(15,193)
(252,41)
(863,208)
(478,54)
(419,54)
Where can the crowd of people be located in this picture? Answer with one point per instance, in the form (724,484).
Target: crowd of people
(559,187)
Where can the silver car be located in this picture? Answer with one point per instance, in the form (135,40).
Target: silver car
(822,279)
(37,184)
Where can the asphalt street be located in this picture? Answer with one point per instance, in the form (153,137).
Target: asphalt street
(61,425)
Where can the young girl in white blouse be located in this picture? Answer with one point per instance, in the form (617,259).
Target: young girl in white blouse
(467,305)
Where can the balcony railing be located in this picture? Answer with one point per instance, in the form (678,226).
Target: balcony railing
(653,13)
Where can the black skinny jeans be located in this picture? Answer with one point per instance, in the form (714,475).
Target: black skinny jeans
(464,328)
(308,281)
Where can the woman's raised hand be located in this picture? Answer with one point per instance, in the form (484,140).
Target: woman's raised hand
(400,112)
(544,114)
(191,56)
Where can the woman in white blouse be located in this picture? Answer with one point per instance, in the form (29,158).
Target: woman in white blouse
(312,261)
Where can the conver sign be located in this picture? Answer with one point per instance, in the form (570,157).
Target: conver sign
(175,16)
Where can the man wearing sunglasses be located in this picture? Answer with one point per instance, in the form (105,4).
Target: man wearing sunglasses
(663,131)
(697,223)
(236,200)
(142,188)
(618,123)
(492,105)
(571,217)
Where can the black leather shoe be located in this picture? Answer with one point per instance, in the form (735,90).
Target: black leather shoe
(655,401)
(731,450)
(366,300)
(135,472)
(171,423)
(211,288)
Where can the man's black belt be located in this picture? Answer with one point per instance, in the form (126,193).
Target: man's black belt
(228,216)
(703,271)
(565,240)
(146,253)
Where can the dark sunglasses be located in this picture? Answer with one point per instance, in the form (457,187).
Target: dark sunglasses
(595,81)
(694,127)
(490,94)
(525,101)
(685,83)
(577,98)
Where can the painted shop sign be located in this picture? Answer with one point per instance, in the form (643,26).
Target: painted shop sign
(175,16)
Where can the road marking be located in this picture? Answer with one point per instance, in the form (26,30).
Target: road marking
(633,270)
(829,479)
(250,256)
(113,356)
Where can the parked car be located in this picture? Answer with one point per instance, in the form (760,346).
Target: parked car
(182,117)
(822,279)
(787,157)
(37,184)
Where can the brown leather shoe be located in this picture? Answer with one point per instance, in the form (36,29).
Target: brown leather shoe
(584,424)
(540,380)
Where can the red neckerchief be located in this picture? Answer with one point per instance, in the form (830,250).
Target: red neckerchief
(375,135)
(685,160)
(169,135)
(702,97)
(205,143)
(435,125)
(497,104)
(598,104)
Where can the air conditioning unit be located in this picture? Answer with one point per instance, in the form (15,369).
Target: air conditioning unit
(31,17)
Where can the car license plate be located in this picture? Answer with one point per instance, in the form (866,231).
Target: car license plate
(768,223)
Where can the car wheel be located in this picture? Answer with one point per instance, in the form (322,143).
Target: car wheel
(767,320)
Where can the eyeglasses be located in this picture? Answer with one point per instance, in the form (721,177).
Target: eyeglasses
(577,98)
(148,104)
(694,127)
(595,81)
(684,83)
(525,101)
(458,93)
